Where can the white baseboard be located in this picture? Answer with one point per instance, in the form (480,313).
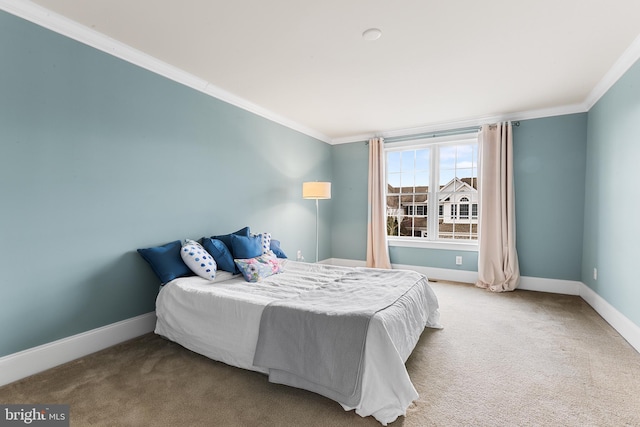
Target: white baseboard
(625,327)
(37,359)
(554,286)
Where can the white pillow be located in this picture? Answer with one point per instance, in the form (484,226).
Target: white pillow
(198,259)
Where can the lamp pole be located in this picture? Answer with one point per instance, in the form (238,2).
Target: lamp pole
(317,228)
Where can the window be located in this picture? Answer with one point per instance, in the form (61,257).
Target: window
(432,191)
(464,208)
(418,210)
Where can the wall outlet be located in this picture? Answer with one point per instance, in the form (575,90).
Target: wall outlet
(458,260)
(595,274)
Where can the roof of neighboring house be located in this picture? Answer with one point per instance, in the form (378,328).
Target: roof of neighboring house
(418,195)
(471,182)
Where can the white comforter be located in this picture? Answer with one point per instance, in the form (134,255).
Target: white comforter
(221,321)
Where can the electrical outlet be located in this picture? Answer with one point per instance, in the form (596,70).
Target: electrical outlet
(458,260)
(595,273)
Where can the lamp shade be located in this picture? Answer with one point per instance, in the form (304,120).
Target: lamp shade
(316,190)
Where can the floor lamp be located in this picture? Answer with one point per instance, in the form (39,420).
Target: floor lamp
(316,190)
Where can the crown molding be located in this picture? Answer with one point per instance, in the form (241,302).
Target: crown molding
(57,23)
(470,122)
(629,57)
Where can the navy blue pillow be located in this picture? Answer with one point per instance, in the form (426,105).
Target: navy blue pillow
(226,238)
(166,261)
(221,254)
(246,247)
(275,247)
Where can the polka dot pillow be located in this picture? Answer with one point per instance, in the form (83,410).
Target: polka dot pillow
(198,259)
(266,242)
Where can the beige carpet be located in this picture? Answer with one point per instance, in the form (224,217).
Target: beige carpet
(516,359)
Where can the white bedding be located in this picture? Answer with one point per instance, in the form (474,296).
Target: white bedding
(221,320)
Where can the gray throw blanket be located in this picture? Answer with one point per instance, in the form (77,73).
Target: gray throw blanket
(316,340)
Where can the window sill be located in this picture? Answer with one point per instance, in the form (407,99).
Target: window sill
(429,244)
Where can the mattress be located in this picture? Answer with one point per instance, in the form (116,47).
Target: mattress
(221,320)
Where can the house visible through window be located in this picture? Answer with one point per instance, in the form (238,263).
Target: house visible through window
(432,190)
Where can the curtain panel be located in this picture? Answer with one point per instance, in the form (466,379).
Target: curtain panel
(498,268)
(377,249)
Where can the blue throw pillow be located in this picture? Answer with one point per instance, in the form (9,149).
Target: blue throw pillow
(246,247)
(275,248)
(166,261)
(220,253)
(226,238)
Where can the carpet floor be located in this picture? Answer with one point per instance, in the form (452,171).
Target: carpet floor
(515,359)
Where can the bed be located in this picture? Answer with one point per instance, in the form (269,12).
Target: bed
(222,320)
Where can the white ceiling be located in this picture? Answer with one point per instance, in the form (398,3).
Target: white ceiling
(438,62)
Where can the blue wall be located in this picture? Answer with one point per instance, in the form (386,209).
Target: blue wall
(549,163)
(350,198)
(611,226)
(549,157)
(99,157)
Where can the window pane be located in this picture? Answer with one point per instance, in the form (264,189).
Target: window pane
(464,156)
(422,180)
(446,176)
(407,182)
(465,175)
(445,230)
(422,160)
(394,214)
(406,226)
(448,157)
(392,226)
(407,160)
(393,180)
(393,162)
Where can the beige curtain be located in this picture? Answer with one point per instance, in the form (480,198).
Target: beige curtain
(377,249)
(498,268)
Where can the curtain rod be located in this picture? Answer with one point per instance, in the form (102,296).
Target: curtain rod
(448,132)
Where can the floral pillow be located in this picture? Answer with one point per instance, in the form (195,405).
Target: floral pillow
(258,268)
(198,259)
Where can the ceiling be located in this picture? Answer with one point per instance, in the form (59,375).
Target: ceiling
(437,62)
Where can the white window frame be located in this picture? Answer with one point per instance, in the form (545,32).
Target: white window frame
(433,206)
